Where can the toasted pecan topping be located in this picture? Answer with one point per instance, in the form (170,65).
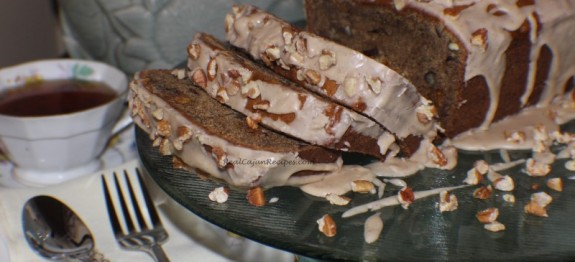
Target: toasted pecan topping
(327,226)
(488,215)
(256,196)
(199,77)
(330,87)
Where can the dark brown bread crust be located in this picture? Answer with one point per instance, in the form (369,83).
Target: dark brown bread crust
(216,119)
(416,45)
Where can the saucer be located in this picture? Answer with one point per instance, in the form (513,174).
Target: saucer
(121,148)
(4,255)
(38,178)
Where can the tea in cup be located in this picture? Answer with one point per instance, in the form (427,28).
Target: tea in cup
(56,117)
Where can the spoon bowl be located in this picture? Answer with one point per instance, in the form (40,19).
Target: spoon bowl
(54,231)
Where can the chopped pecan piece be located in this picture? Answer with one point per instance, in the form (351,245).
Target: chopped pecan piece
(327,226)
(256,196)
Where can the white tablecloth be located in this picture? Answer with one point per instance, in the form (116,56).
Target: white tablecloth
(190,237)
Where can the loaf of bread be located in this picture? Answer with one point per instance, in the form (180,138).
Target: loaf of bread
(199,132)
(375,77)
(478,61)
(270,100)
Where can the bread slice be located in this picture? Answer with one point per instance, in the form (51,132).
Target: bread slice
(335,71)
(270,100)
(185,122)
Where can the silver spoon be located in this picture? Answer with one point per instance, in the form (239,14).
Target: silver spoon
(54,231)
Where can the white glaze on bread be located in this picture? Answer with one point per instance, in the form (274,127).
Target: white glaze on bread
(265,168)
(312,118)
(498,135)
(550,24)
(345,75)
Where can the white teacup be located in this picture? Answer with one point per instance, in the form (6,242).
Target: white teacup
(52,149)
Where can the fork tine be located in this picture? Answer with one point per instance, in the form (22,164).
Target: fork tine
(111,210)
(155,218)
(146,237)
(139,215)
(124,205)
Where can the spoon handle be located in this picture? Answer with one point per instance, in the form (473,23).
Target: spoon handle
(158,253)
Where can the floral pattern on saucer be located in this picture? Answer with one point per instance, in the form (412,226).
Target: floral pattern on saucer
(65,71)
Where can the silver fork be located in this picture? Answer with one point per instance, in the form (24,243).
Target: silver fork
(143,237)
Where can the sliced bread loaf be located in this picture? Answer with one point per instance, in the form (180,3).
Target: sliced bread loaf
(270,100)
(185,122)
(335,71)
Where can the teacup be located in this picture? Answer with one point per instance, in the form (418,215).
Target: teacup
(55,148)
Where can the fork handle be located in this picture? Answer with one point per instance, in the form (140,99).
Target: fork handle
(158,253)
